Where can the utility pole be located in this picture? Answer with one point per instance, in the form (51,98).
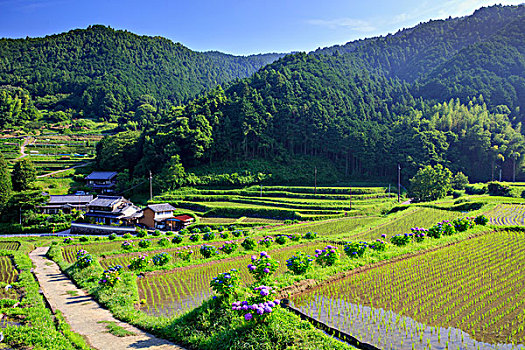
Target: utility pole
(500,174)
(150,186)
(315,180)
(398,183)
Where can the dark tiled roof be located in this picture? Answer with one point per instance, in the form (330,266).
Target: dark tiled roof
(105,201)
(161,207)
(101,175)
(71,199)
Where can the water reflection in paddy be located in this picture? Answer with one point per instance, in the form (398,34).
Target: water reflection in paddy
(388,330)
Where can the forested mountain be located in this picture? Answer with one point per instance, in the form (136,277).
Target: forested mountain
(101,72)
(352,110)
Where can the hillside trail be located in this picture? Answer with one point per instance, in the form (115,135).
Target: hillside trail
(83,314)
(61,171)
(27,140)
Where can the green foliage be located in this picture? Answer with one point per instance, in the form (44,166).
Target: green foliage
(208,251)
(112,236)
(226,284)
(430,183)
(459,181)
(228,247)
(281,239)
(401,239)
(327,256)
(262,268)
(138,262)
(161,259)
(164,242)
(299,263)
(144,243)
(249,243)
(481,220)
(24,175)
(176,239)
(5,182)
(499,189)
(355,249)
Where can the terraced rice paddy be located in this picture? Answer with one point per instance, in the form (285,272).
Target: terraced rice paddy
(507,214)
(330,228)
(9,245)
(8,275)
(179,290)
(281,203)
(476,286)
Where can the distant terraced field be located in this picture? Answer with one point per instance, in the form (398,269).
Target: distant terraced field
(507,214)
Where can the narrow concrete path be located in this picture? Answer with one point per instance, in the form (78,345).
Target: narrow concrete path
(83,314)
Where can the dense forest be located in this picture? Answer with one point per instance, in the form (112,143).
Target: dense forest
(448,92)
(105,73)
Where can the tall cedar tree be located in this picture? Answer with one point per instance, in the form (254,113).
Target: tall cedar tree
(6,186)
(23,176)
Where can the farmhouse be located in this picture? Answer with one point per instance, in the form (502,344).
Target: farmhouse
(102,181)
(113,210)
(158,216)
(65,203)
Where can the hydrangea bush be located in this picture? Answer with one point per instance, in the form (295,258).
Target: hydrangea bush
(228,247)
(259,306)
(144,243)
(327,256)
(68,240)
(310,235)
(184,254)
(263,267)
(281,239)
(294,237)
(208,236)
(195,237)
(481,220)
(208,250)
(248,243)
(164,242)
(355,249)
(299,263)
(84,259)
(138,262)
(401,239)
(225,284)
(161,259)
(266,241)
(110,277)
(127,245)
(176,239)
(378,245)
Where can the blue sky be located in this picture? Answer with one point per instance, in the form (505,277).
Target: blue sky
(233,26)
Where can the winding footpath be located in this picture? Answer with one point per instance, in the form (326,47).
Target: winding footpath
(83,314)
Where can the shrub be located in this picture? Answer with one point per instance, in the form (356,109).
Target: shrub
(161,259)
(141,233)
(419,233)
(208,236)
(237,233)
(184,231)
(459,181)
(495,188)
(163,242)
(206,229)
(195,237)
(225,284)
(294,237)
(144,243)
(184,254)
(377,245)
(248,243)
(127,236)
(263,267)
(355,249)
(228,247)
(266,241)
(112,236)
(195,230)
(280,239)
(169,233)
(156,233)
(287,222)
(327,256)
(127,245)
(401,239)
(208,250)
(310,235)
(457,194)
(176,239)
(224,235)
(475,189)
(299,263)
(231,228)
(110,278)
(463,224)
(84,259)
(138,262)
(259,306)
(481,220)
(69,240)
(83,239)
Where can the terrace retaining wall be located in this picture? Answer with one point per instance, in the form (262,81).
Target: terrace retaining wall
(91,229)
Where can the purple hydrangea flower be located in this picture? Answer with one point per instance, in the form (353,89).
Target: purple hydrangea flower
(248,316)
